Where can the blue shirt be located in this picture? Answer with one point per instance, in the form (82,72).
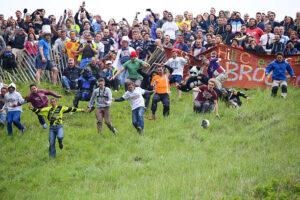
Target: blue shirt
(279,70)
(182,47)
(46,48)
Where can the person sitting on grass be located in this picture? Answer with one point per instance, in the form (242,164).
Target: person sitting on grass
(232,97)
(207,98)
(38,99)
(279,68)
(70,76)
(86,84)
(54,114)
(135,96)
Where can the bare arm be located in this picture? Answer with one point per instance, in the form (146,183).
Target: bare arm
(119,72)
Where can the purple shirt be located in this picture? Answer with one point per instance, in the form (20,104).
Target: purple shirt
(39,99)
(213,65)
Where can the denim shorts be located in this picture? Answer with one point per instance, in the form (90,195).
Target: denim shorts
(48,65)
(175,79)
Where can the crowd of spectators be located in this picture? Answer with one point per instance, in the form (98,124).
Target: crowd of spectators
(84,35)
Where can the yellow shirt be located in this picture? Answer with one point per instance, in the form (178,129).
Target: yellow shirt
(54,115)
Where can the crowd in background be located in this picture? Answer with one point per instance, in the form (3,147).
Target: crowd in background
(262,33)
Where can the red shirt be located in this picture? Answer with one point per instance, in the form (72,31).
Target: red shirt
(205,94)
(256,33)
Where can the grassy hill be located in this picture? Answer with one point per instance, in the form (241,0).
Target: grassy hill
(250,153)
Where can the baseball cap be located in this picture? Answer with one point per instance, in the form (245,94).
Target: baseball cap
(133,54)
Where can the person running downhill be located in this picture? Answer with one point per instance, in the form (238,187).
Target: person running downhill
(54,115)
(102,97)
(38,99)
(135,96)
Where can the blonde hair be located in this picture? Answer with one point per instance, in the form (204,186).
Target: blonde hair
(213,80)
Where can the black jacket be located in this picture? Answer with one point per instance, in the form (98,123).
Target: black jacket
(72,73)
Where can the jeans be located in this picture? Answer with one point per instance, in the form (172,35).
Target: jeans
(147,98)
(2,117)
(41,119)
(203,106)
(68,83)
(164,98)
(55,131)
(138,118)
(84,62)
(13,117)
(123,77)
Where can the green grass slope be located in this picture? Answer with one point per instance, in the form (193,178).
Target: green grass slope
(250,153)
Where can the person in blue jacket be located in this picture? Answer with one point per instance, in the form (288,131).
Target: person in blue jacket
(279,68)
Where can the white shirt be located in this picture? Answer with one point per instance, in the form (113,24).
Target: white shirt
(264,39)
(169,28)
(177,64)
(100,46)
(13,99)
(135,98)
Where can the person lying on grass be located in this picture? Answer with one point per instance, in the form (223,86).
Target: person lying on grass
(54,114)
(232,97)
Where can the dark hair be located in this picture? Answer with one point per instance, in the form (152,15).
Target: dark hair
(5,88)
(279,54)
(254,20)
(101,80)
(31,85)
(31,34)
(53,99)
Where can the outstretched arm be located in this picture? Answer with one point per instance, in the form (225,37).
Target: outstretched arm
(118,99)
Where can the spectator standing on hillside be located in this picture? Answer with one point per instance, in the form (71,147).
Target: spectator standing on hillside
(43,61)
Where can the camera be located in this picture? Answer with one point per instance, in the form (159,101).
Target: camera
(148,9)
(138,13)
(89,42)
(65,11)
(123,19)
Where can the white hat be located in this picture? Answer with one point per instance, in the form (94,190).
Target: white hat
(108,62)
(125,38)
(12,85)
(46,29)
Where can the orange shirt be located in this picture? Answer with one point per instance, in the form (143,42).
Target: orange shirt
(161,83)
(72,46)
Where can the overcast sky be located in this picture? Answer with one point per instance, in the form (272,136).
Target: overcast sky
(122,8)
